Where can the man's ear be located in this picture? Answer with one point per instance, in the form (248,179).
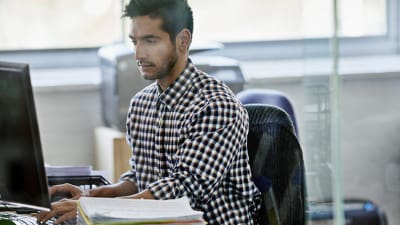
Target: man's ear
(183,39)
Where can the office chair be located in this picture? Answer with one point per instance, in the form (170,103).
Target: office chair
(277,165)
(271,97)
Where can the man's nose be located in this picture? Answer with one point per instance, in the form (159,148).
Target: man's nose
(139,52)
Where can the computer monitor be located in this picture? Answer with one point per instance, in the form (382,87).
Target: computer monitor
(23,181)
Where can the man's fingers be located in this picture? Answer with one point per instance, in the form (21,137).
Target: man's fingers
(66,189)
(66,216)
(67,211)
(55,209)
(63,208)
(60,188)
(41,215)
(44,216)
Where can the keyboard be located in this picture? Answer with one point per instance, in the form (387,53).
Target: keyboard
(22,219)
(28,219)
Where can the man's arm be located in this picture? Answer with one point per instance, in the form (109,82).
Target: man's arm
(146,194)
(66,208)
(122,188)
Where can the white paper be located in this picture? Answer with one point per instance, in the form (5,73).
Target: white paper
(118,210)
(68,170)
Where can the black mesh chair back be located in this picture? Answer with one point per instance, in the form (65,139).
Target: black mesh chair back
(277,165)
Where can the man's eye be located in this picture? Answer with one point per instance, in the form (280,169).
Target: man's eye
(151,41)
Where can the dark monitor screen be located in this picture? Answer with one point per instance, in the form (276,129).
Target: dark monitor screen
(22,175)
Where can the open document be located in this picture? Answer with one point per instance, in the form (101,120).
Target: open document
(94,211)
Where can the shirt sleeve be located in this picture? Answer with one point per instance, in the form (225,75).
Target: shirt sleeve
(213,137)
(129,175)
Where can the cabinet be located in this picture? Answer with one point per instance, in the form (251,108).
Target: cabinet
(112,153)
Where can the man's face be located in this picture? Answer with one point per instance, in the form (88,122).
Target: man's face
(155,53)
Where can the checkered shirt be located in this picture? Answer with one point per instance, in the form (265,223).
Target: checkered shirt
(190,140)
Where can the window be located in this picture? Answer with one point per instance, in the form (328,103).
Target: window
(55,24)
(259,20)
(255,29)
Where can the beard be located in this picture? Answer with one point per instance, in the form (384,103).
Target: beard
(165,69)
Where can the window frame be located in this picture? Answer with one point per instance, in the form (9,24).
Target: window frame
(320,47)
(53,58)
(250,50)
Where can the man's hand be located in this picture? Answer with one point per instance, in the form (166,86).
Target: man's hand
(66,208)
(72,191)
(63,210)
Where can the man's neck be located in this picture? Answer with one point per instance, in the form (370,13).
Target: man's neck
(177,71)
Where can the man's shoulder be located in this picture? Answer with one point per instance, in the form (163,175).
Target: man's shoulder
(210,86)
(211,91)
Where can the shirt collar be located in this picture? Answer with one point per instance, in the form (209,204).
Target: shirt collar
(176,90)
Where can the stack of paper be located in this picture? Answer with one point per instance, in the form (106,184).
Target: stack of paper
(68,170)
(106,211)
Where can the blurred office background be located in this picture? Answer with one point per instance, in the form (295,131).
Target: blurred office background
(285,45)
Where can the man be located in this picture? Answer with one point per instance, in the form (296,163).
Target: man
(187,130)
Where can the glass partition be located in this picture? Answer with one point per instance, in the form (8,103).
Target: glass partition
(322,141)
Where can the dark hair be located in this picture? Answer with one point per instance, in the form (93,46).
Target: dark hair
(175,14)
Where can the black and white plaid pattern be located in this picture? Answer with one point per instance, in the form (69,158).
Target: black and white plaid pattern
(190,140)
